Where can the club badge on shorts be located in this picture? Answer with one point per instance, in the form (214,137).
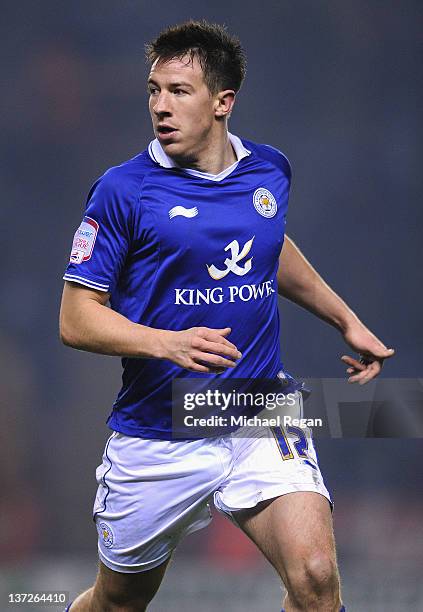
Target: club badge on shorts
(265,203)
(106,534)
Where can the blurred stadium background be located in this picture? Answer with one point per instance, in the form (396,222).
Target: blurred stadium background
(337,86)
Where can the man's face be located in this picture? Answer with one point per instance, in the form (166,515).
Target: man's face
(181,107)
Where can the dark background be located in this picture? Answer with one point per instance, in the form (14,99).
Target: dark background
(337,86)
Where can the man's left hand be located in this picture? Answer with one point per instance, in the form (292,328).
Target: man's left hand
(371,350)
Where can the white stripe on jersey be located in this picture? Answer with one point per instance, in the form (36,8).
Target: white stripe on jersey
(85,281)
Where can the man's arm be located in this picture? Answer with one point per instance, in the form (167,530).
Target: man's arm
(299,282)
(87,323)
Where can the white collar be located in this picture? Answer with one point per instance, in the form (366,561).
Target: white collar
(158,155)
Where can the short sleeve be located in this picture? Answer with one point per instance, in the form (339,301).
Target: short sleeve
(101,242)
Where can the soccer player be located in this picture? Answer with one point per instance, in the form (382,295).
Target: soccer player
(186,240)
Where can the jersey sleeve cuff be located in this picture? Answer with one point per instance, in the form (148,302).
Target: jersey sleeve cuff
(73,278)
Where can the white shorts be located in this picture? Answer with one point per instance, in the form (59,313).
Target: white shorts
(152,493)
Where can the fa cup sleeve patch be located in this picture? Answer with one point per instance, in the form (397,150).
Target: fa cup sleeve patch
(84,240)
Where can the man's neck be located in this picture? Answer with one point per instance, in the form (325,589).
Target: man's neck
(214,159)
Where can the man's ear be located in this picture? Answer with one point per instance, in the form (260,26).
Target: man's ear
(224,104)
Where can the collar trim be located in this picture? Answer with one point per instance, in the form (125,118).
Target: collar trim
(158,155)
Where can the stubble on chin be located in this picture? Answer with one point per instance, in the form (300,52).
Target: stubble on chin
(181,157)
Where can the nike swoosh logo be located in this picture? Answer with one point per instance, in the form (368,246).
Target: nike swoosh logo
(181,211)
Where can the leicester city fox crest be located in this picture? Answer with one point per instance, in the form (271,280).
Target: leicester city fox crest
(106,534)
(265,203)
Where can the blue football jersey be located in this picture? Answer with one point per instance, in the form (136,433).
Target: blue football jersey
(179,248)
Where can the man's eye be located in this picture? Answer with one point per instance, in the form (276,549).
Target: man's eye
(152,91)
(179,92)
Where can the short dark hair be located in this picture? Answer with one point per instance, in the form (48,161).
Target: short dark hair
(219,54)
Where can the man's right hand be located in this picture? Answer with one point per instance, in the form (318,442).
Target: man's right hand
(86,323)
(200,349)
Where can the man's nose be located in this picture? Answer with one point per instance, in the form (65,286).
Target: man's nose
(162,104)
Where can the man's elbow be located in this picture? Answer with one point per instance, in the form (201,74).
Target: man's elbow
(68,334)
